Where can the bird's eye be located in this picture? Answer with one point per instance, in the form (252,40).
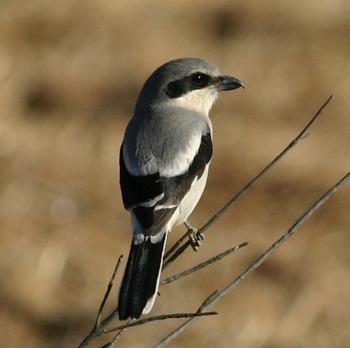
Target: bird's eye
(199,80)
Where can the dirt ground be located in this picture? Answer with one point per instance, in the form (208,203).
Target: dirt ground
(70,72)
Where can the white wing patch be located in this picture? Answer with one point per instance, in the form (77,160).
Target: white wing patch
(152,202)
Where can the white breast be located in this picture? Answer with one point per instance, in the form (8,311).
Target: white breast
(190,200)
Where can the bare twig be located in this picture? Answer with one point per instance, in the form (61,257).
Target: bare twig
(203,264)
(109,288)
(176,244)
(159,317)
(98,327)
(169,280)
(176,250)
(219,294)
(119,334)
(113,342)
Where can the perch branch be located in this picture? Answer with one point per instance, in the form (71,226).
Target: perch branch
(113,341)
(176,250)
(203,264)
(219,294)
(159,317)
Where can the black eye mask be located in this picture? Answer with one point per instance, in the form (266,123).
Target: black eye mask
(197,80)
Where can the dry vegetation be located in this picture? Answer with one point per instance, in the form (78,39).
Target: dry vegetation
(70,73)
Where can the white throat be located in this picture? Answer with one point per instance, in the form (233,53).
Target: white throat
(199,100)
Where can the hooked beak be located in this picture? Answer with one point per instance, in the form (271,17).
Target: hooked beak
(227,83)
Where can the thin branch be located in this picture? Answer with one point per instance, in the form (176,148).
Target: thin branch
(176,244)
(178,250)
(185,273)
(97,329)
(203,264)
(99,326)
(119,334)
(112,343)
(108,290)
(219,294)
(159,317)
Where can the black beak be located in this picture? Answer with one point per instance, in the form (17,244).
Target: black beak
(227,83)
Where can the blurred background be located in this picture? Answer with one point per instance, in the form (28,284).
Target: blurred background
(69,76)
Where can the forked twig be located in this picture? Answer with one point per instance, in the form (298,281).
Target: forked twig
(219,294)
(139,322)
(203,264)
(100,325)
(159,317)
(176,250)
(112,343)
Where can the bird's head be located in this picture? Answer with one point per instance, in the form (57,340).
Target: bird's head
(188,83)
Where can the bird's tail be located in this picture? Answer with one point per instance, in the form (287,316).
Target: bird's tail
(141,278)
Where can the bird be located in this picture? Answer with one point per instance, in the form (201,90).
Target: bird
(164,160)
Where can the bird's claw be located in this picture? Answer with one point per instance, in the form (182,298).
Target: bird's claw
(196,236)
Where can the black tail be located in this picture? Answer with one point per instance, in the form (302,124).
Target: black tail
(140,281)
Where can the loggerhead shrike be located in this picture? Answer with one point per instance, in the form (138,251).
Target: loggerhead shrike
(164,160)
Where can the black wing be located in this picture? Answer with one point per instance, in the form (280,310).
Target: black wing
(136,190)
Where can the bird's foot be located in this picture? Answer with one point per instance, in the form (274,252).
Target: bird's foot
(196,236)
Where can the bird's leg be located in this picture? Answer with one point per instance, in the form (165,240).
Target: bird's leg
(195,236)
